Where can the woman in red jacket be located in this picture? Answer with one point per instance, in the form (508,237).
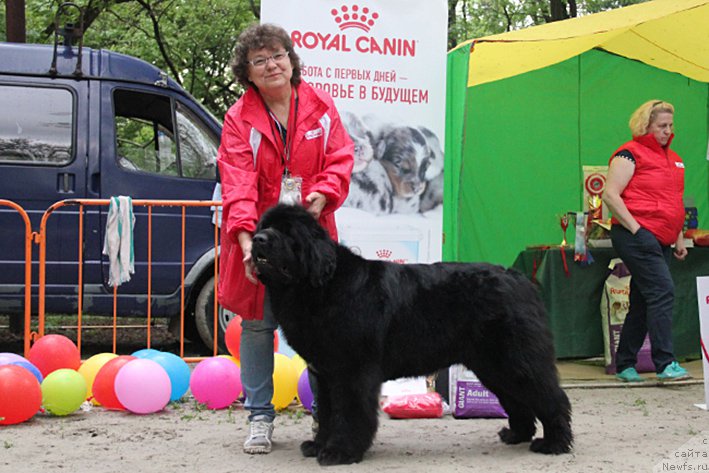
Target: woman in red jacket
(282,141)
(644,192)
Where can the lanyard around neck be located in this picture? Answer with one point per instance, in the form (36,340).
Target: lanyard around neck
(284,136)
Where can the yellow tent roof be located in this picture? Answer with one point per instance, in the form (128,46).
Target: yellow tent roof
(668,34)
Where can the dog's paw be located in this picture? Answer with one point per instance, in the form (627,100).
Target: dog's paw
(510,437)
(549,448)
(309,449)
(330,456)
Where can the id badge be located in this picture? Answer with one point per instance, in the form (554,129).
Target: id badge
(291,190)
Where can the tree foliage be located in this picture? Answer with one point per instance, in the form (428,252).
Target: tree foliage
(478,18)
(193,40)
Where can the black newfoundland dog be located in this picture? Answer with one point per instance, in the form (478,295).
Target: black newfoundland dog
(359,323)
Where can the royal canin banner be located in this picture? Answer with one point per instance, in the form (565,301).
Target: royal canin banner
(384,64)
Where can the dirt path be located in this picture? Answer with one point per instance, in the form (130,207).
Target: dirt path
(617,429)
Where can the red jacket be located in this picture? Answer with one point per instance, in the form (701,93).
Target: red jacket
(250,167)
(654,193)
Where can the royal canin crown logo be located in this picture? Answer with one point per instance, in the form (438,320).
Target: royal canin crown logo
(383,254)
(354,17)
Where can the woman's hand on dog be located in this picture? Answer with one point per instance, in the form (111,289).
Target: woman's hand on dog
(245,242)
(316,202)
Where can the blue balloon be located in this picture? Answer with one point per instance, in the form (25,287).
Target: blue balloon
(147,353)
(29,367)
(178,371)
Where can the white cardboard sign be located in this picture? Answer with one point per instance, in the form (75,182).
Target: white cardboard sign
(703,299)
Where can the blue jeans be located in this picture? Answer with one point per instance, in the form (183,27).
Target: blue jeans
(256,353)
(651,297)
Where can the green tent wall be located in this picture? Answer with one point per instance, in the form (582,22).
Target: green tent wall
(515,148)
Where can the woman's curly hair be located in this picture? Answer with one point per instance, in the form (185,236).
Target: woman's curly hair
(641,118)
(259,36)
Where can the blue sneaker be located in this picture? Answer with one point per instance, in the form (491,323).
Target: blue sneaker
(673,372)
(629,375)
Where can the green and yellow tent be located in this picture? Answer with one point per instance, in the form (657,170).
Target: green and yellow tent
(526,110)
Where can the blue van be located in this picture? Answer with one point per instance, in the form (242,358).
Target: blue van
(83,123)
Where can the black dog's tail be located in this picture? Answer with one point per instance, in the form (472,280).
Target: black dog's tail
(525,287)
(526,291)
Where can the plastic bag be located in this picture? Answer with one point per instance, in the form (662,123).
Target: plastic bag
(414,406)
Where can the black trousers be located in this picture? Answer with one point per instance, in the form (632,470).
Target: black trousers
(651,297)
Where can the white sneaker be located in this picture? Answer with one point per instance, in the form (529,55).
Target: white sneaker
(259,440)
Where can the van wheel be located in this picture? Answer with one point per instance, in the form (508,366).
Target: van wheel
(204,318)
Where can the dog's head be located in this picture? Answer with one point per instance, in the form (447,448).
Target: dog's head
(290,248)
(405,154)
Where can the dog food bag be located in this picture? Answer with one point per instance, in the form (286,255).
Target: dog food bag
(469,398)
(414,406)
(614,307)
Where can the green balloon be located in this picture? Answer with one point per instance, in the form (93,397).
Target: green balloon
(63,391)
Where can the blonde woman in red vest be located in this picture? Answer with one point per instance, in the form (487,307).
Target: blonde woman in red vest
(644,192)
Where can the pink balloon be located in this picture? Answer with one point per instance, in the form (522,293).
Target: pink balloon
(143,386)
(216,382)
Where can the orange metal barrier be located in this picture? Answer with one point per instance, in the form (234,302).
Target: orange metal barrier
(150,204)
(29,237)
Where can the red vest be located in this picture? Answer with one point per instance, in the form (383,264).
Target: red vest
(654,194)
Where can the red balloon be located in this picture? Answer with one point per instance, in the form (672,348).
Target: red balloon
(20,394)
(53,352)
(232,336)
(103,387)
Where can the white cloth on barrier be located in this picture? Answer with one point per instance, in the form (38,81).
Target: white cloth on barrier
(118,242)
(217,210)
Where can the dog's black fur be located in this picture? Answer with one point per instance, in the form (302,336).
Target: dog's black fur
(359,322)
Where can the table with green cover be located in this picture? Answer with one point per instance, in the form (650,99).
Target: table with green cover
(573,297)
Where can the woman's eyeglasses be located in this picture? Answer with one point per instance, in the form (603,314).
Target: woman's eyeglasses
(262,61)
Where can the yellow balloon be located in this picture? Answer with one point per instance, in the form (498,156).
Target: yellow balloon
(285,381)
(232,358)
(299,364)
(90,368)
(63,391)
